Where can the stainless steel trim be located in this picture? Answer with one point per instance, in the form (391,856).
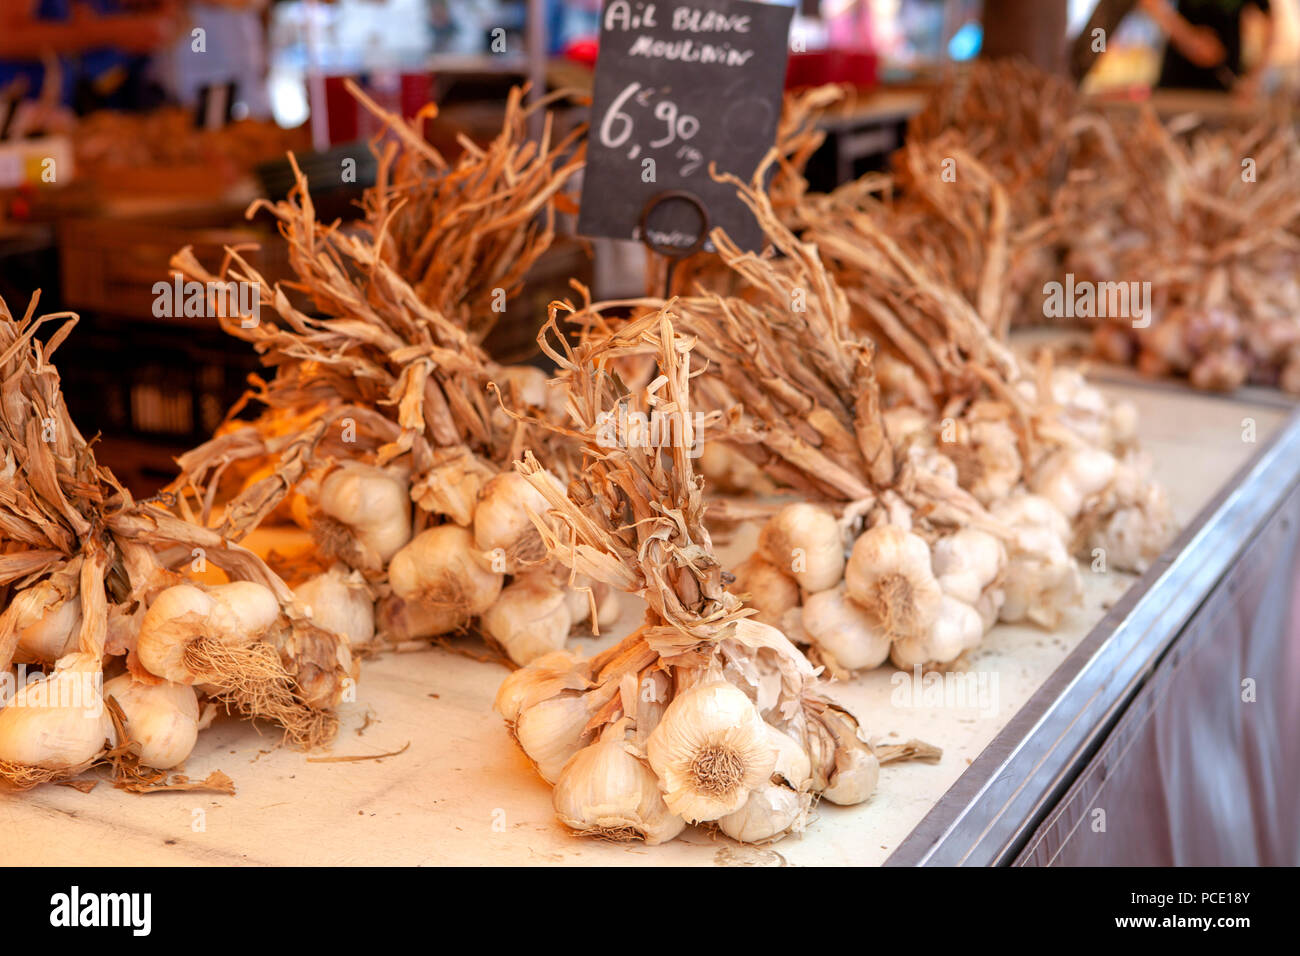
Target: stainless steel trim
(992,809)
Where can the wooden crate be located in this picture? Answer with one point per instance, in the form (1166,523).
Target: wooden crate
(111,265)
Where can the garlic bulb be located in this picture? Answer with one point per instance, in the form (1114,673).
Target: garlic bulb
(804,541)
(1041,578)
(854,779)
(966,562)
(604,789)
(339,601)
(770,591)
(709,751)
(161,719)
(530,619)
(956,628)
(59,722)
(889,575)
(452,484)
(552,731)
(543,678)
(443,575)
(186,626)
(47,622)
(987,456)
(770,812)
(366,516)
(502,524)
(1139,528)
(843,630)
(1072,476)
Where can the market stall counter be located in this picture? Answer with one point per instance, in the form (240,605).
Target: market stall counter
(422,771)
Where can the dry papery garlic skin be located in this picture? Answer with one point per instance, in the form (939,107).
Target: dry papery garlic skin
(48,624)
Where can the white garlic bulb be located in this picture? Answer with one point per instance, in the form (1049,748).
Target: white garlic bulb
(58,722)
(770,591)
(889,574)
(161,719)
(339,601)
(844,630)
(770,812)
(1072,476)
(502,525)
(180,617)
(552,731)
(1041,578)
(710,749)
(805,539)
(955,629)
(445,577)
(374,511)
(47,622)
(604,789)
(966,562)
(530,618)
(854,778)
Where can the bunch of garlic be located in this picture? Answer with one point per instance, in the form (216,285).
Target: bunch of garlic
(896,597)
(732,742)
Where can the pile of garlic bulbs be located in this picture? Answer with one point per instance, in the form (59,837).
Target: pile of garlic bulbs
(947,487)
(387,432)
(703,715)
(112,650)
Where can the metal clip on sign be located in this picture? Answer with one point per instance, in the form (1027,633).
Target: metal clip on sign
(674,254)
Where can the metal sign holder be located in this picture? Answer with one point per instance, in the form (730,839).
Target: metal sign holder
(674,254)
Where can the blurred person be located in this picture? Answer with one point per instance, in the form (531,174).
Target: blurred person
(1204,49)
(234,53)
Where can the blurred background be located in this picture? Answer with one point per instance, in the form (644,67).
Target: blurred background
(132,128)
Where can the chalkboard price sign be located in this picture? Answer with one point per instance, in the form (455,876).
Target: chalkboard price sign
(680,85)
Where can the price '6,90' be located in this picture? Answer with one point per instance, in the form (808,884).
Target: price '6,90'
(617,125)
